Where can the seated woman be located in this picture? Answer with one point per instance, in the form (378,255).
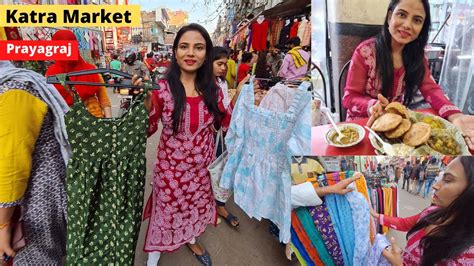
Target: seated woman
(392,67)
(442,234)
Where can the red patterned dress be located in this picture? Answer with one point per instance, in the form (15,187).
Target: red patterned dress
(181,204)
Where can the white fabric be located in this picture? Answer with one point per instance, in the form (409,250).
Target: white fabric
(304,195)
(278,98)
(225,90)
(301,27)
(153,258)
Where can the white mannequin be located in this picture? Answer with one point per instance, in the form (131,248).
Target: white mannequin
(304,19)
(295,20)
(287,22)
(260,19)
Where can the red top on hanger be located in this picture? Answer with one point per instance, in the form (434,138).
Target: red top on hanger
(259,35)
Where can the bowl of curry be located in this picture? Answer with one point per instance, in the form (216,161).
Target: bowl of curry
(352,135)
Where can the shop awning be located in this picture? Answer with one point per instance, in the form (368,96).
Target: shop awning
(287,8)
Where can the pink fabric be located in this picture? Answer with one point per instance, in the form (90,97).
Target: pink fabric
(363,85)
(413,253)
(181,204)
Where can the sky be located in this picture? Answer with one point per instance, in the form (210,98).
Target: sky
(197,10)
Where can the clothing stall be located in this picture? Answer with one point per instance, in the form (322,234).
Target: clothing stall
(257,33)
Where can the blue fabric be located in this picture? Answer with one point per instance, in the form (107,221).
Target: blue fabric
(341,216)
(299,246)
(260,144)
(375,257)
(428,183)
(361,220)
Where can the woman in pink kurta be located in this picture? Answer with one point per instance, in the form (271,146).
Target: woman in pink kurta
(393,65)
(442,234)
(190,107)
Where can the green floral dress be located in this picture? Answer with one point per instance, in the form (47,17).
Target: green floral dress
(105,185)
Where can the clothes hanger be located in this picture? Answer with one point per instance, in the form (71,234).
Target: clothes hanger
(126,81)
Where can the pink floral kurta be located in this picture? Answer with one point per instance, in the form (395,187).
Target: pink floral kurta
(182,203)
(363,85)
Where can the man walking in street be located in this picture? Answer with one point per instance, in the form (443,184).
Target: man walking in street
(432,171)
(406,175)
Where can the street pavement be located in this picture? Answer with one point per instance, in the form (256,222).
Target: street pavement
(251,244)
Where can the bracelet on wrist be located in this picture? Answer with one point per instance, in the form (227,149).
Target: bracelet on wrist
(4,225)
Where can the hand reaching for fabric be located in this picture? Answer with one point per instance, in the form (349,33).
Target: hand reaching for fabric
(339,188)
(393,253)
(377,109)
(465,123)
(373,213)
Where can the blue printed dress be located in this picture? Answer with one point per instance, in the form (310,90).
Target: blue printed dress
(260,143)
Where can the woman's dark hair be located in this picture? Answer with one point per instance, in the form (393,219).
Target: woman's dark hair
(149,55)
(261,69)
(115,56)
(219,52)
(454,233)
(413,56)
(131,58)
(246,57)
(205,80)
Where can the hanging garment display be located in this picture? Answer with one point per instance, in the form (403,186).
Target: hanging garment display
(105,184)
(259,35)
(275,30)
(285,33)
(294,29)
(258,168)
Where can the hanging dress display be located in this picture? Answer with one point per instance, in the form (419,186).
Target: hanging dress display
(105,184)
(259,35)
(258,167)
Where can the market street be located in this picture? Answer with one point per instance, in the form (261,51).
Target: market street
(252,244)
(409,205)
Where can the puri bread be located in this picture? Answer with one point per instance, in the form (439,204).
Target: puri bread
(386,122)
(397,108)
(400,130)
(418,134)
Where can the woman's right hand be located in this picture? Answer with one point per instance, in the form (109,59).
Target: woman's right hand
(377,109)
(374,213)
(5,246)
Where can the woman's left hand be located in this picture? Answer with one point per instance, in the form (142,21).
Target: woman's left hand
(393,253)
(465,123)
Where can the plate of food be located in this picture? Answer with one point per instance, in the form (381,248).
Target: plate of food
(352,135)
(414,133)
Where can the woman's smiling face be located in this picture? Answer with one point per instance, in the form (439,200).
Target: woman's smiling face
(191,51)
(406,21)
